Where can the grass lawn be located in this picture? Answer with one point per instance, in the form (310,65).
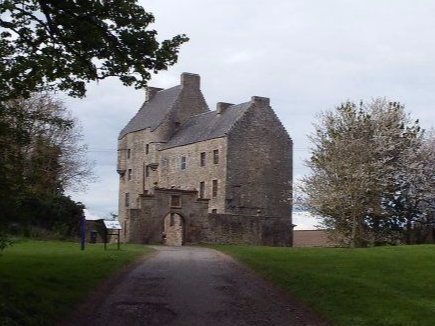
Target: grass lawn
(41,280)
(381,286)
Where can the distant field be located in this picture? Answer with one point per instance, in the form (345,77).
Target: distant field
(41,280)
(383,286)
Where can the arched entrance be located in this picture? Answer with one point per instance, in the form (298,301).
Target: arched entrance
(173,229)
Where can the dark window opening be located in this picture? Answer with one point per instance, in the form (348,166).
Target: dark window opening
(214,211)
(147,148)
(129,174)
(214,188)
(127,199)
(128,153)
(202,159)
(216,156)
(201,189)
(175,201)
(183,163)
(172,220)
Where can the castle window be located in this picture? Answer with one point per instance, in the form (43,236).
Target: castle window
(127,199)
(214,211)
(214,188)
(128,153)
(201,189)
(202,159)
(147,148)
(216,156)
(129,174)
(175,201)
(172,220)
(183,163)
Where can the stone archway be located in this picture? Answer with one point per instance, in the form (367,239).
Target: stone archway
(173,229)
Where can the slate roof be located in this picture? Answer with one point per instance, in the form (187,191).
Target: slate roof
(207,125)
(152,113)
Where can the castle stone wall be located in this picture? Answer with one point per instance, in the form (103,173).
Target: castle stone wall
(249,230)
(147,224)
(171,174)
(259,164)
(134,184)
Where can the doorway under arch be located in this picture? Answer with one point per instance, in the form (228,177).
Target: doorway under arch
(173,229)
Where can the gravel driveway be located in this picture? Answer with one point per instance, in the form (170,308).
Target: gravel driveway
(190,286)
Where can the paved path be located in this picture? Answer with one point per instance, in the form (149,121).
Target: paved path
(191,286)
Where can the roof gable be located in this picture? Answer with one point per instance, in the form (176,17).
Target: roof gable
(152,113)
(208,125)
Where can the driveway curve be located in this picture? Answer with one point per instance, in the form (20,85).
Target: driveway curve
(191,286)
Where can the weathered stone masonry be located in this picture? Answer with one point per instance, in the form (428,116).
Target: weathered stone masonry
(191,175)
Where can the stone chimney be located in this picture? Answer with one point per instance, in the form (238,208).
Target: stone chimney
(260,100)
(190,80)
(221,107)
(150,92)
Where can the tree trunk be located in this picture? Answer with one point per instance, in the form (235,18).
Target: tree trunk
(376,228)
(353,233)
(408,239)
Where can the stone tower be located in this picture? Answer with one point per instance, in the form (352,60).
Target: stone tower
(191,175)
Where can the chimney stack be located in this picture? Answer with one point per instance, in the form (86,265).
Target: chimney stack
(221,107)
(190,80)
(150,92)
(260,100)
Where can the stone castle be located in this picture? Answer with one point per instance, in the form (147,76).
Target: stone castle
(190,175)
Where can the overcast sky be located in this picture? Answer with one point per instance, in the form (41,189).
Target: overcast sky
(307,56)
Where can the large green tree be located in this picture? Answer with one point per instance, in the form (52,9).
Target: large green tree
(48,158)
(367,166)
(62,44)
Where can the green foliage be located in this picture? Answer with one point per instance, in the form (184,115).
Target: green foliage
(5,242)
(58,214)
(40,157)
(12,137)
(63,44)
(383,286)
(40,281)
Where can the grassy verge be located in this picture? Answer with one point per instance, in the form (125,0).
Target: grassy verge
(386,286)
(41,280)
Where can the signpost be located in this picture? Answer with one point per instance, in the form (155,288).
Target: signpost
(82,232)
(112,226)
